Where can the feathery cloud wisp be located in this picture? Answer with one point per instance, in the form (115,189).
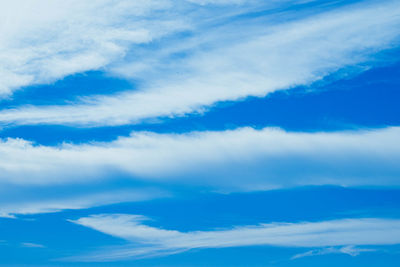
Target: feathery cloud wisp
(349,250)
(24,204)
(46,40)
(151,241)
(268,58)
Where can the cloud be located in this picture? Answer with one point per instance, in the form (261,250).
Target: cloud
(40,179)
(219,2)
(46,40)
(31,245)
(26,204)
(230,61)
(268,158)
(349,250)
(150,241)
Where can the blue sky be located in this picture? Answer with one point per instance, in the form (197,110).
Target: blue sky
(199,133)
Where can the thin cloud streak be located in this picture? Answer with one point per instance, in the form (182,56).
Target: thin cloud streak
(348,250)
(25,205)
(32,245)
(150,241)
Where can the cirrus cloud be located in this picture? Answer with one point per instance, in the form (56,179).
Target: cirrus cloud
(148,241)
(224,66)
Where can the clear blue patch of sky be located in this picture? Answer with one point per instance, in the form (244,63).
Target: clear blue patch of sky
(67,90)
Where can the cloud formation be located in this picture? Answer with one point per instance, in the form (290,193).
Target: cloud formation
(267,158)
(152,241)
(349,250)
(183,57)
(41,42)
(31,245)
(26,204)
(220,65)
(47,40)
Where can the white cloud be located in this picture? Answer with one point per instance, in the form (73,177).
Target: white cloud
(239,2)
(349,250)
(267,158)
(151,241)
(43,41)
(31,245)
(244,159)
(23,204)
(230,62)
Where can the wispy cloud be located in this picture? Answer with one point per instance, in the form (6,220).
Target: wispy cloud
(268,158)
(183,57)
(44,41)
(31,245)
(25,205)
(349,250)
(271,55)
(152,241)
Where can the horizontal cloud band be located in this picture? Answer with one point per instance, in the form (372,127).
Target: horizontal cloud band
(156,241)
(267,158)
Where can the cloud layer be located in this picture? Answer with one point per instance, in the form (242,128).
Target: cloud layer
(152,241)
(218,65)
(21,203)
(267,158)
(44,41)
(179,58)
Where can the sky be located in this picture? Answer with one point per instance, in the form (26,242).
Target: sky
(200,133)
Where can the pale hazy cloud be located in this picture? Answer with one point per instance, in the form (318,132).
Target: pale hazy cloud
(149,241)
(267,158)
